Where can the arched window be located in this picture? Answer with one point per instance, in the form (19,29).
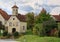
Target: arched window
(10,24)
(13,9)
(23,27)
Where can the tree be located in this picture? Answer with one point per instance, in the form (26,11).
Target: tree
(43,17)
(47,21)
(59,34)
(38,29)
(48,26)
(30,20)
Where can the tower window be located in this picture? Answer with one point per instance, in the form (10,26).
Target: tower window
(16,9)
(13,9)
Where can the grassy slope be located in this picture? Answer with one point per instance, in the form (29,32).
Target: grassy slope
(34,38)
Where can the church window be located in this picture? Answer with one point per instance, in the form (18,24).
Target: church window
(10,24)
(23,27)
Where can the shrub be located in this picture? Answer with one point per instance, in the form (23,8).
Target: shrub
(16,34)
(59,33)
(9,35)
(5,33)
(34,31)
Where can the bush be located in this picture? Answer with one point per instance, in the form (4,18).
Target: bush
(5,33)
(9,35)
(59,33)
(16,34)
(29,32)
(34,31)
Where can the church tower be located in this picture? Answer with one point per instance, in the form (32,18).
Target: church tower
(15,10)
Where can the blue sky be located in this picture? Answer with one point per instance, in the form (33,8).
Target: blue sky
(25,6)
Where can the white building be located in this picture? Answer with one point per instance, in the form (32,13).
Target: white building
(14,22)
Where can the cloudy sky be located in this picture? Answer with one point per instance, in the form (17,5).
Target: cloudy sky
(25,6)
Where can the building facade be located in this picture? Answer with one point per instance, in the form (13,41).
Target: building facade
(14,22)
(57,19)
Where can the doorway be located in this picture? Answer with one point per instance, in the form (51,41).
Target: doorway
(13,30)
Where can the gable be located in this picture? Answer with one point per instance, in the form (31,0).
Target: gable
(21,17)
(13,19)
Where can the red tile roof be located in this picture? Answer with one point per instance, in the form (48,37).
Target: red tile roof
(6,16)
(21,17)
(57,17)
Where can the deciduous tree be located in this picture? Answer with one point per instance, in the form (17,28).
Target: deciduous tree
(30,20)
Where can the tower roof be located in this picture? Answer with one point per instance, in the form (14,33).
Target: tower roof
(15,6)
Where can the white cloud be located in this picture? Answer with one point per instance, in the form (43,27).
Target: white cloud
(53,2)
(7,4)
(23,12)
(55,11)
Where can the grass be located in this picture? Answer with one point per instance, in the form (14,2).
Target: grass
(34,38)
(29,32)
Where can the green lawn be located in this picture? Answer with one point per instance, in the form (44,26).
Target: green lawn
(34,38)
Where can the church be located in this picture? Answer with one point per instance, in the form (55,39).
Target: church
(14,22)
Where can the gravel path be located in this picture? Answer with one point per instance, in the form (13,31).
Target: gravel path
(7,40)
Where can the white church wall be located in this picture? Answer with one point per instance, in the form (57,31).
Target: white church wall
(23,27)
(2,19)
(14,24)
